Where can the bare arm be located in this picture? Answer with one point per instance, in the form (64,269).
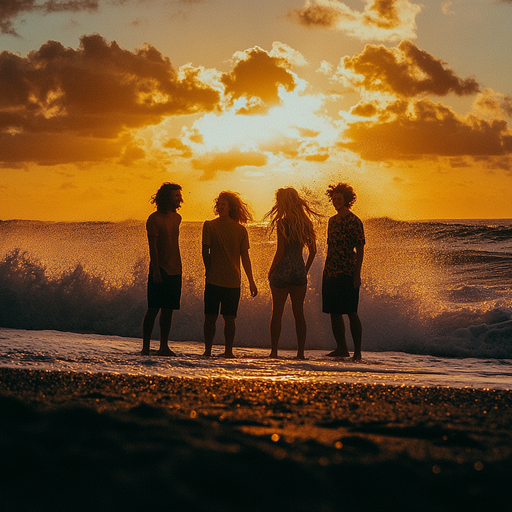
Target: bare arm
(279,253)
(153,257)
(311,255)
(207,259)
(359,264)
(246,263)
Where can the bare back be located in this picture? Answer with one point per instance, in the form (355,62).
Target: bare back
(164,228)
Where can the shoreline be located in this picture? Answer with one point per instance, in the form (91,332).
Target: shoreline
(247,444)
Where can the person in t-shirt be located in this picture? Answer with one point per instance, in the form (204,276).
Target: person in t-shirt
(342,271)
(225,243)
(164,280)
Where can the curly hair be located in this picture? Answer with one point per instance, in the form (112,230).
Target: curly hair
(163,198)
(239,210)
(290,206)
(346,190)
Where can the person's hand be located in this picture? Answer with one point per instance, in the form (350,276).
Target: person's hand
(157,276)
(254,290)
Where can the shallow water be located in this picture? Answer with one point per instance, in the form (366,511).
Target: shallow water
(62,351)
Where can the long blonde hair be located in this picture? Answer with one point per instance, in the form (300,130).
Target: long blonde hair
(298,214)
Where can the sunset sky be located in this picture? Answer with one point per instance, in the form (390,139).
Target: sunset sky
(103,100)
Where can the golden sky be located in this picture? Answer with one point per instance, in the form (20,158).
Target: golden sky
(101,101)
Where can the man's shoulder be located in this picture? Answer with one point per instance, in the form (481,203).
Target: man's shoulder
(161,219)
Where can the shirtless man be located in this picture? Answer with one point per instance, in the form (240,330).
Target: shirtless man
(164,280)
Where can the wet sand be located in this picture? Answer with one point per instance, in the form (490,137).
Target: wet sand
(73,441)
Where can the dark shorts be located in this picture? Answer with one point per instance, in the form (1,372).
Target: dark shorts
(166,294)
(339,296)
(226,298)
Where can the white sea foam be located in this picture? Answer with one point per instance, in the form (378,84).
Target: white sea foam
(62,351)
(427,289)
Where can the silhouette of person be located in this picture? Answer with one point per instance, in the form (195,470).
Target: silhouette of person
(291,218)
(164,280)
(342,271)
(225,242)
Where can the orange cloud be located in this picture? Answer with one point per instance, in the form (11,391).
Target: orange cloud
(55,148)
(404,71)
(427,128)
(257,77)
(98,91)
(210,164)
(384,20)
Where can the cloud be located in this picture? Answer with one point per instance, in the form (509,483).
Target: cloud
(383,20)
(405,71)
(257,77)
(55,148)
(98,90)
(426,128)
(494,104)
(230,160)
(11,9)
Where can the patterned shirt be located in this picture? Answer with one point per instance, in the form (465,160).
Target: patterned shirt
(342,238)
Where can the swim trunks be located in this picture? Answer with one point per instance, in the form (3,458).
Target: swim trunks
(339,297)
(226,298)
(166,294)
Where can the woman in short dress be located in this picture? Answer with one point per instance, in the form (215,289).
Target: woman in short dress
(291,217)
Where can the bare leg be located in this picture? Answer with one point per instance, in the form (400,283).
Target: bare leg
(209,333)
(147,329)
(229,335)
(338,330)
(297,296)
(356,329)
(279,297)
(165,329)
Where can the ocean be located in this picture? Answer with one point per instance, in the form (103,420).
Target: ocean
(436,305)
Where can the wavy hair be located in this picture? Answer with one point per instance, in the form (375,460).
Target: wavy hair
(297,214)
(346,190)
(239,210)
(163,198)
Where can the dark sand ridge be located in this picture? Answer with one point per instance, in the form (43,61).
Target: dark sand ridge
(73,441)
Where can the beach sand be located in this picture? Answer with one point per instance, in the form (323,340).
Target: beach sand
(81,441)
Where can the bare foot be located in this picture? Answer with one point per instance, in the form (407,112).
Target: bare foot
(302,357)
(144,352)
(207,353)
(165,352)
(357,358)
(229,355)
(273,354)
(338,353)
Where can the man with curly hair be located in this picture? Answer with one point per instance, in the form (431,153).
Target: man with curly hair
(164,280)
(225,242)
(342,271)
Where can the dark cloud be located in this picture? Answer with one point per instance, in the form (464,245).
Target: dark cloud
(427,129)
(384,14)
(380,19)
(257,77)
(405,71)
(97,90)
(230,160)
(11,9)
(323,16)
(506,103)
